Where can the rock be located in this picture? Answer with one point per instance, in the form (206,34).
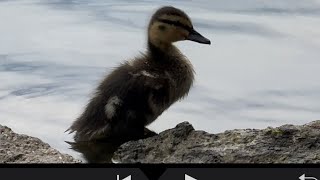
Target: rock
(182,144)
(18,148)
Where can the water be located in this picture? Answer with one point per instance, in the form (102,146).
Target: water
(261,70)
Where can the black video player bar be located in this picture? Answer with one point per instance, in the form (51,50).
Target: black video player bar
(161,173)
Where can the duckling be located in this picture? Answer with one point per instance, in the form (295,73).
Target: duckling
(139,90)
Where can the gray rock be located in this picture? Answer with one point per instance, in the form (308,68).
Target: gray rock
(18,148)
(182,144)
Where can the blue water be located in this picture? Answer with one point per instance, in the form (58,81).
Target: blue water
(261,70)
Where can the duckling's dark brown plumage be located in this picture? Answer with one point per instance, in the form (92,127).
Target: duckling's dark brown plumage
(137,92)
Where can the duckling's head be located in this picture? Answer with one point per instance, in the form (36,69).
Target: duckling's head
(168,25)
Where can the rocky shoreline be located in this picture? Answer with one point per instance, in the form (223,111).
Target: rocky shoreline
(20,148)
(183,144)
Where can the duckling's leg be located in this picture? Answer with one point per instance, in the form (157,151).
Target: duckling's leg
(149,133)
(127,128)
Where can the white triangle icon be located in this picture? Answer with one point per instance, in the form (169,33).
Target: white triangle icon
(187,177)
(127,178)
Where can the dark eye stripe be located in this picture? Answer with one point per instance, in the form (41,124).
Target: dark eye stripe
(175,23)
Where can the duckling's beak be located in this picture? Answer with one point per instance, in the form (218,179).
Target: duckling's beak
(197,37)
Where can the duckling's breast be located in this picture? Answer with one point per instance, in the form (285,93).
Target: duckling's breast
(179,75)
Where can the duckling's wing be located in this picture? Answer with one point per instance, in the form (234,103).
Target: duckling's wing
(147,94)
(136,97)
(125,102)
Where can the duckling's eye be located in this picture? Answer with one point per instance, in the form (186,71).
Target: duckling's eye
(162,27)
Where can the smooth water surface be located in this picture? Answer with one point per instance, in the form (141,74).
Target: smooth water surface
(261,70)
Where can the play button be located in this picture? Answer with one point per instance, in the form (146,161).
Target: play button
(187,177)
(127,178)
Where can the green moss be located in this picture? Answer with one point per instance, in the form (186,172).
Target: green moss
(274,132)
